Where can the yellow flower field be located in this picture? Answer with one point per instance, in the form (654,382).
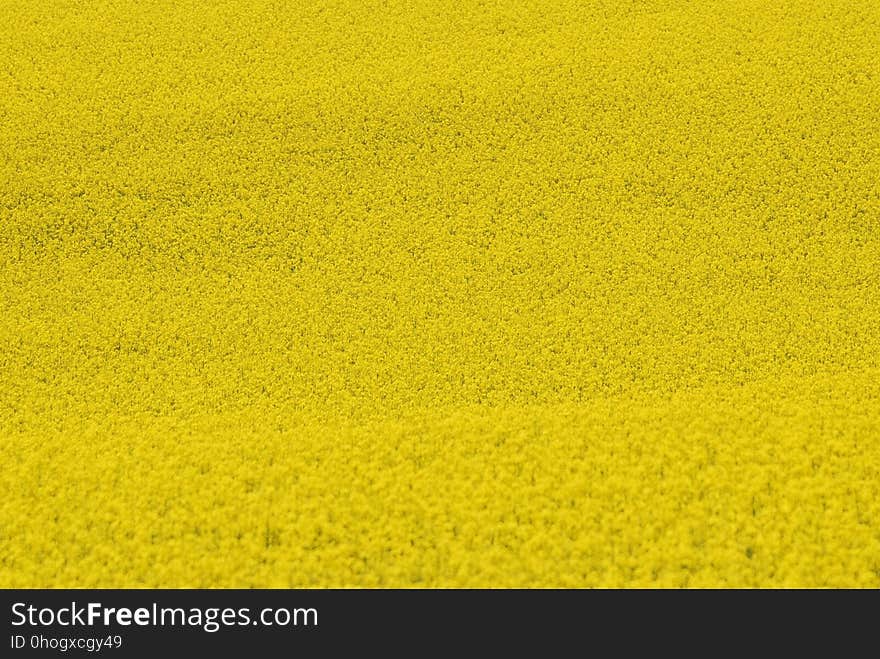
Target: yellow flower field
(418,293)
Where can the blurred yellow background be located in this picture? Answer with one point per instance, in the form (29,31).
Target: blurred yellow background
(439,293)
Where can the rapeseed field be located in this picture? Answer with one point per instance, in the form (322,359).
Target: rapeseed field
(429,293)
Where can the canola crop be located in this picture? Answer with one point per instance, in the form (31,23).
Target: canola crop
(420,293)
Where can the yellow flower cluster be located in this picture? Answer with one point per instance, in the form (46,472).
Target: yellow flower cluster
(434,293)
